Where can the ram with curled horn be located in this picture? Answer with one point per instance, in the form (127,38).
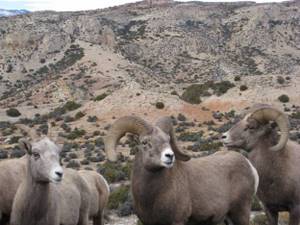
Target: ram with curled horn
(276,158)
(171,188)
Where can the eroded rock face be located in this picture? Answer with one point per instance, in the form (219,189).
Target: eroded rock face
(174,43)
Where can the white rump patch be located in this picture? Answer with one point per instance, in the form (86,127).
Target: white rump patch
(106,184)
(255,174)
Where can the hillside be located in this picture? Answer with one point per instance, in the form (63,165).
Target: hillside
(201,63)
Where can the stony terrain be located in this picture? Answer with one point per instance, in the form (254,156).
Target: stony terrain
(201,63)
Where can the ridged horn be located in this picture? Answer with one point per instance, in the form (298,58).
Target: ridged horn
(266,114)
(132,124)
(166,125)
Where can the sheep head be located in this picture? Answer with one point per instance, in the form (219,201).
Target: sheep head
(255,125)
(157,143)
(43,160)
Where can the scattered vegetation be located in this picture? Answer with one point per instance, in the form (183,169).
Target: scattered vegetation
(117,197)
(280,80)
(237,78)
(100,97)
(71,105)
(13,112)
(193,93)
(71,56)
(114,172)
(79,115)
(76,133)
(296,115)
(284,98)
(68,106)
(159,105)
(190,136)
(243,87)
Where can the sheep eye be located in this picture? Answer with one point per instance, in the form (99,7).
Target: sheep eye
(36,155)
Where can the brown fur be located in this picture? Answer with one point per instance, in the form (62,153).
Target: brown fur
(168,192)
(12,172)
(279,171)
(99,194)
(203,190)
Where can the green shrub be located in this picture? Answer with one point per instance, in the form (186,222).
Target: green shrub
(159,105)
(280,80)
(243,88)
(114,172)
(181,117)
(79,115)
(76,133)
(260,219)
(210,146)
(174,93)
(118,197)
(14,139)
(92,119)
(71,105)
(139,222)
(284,98)
(190,136)
(193,92)
(12,112)
(296,115)
(237,78)
(256,206)
(222,87)
(100,97)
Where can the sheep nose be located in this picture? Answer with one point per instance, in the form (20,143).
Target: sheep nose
(169,156)
(59,174)
(224,136)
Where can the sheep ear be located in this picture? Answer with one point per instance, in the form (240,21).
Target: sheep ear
(25,145)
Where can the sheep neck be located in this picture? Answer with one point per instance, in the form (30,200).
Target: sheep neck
(36,200)
(148,185)
(268,163)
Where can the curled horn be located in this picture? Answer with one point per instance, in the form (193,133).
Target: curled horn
(166,125)
(132,124)
(268,113)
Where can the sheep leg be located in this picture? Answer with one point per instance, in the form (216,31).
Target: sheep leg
(240,215)
(83,220)
(178,223)
(272,216)
(4,219)
(98,220)
(295,216)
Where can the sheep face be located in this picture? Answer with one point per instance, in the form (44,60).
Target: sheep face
(43,160)
(245,134)
(156,150)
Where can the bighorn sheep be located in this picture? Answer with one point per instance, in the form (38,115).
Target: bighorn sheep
(278,164)
(99,194)
(49,195)
(12,172)
(170,189)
